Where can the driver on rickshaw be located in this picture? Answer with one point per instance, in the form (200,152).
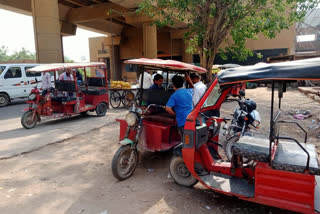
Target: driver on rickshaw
(180,101)
(66,76)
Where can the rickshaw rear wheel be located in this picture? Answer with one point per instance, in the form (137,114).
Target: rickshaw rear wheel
(228,144)
(101,109)
(180,173)
(27,121)
(124,162)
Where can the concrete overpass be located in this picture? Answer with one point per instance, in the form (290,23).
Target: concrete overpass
(132,35)
(56,18)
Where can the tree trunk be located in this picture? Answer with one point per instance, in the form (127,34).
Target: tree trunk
(206,61)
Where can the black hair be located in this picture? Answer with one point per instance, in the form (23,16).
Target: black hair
(177,81)
(194,76)
(158,77)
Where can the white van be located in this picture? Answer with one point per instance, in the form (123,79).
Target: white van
(15,82)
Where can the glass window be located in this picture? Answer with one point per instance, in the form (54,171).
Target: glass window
(13,72)
(2,69)
(32,74)
(213,97)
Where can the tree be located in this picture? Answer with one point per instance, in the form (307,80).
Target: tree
(23,54)
(212,22)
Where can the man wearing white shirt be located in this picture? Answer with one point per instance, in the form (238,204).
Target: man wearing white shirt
(147,80)
(198,87)
(46,82)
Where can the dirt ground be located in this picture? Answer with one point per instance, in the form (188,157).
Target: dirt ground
(74,176)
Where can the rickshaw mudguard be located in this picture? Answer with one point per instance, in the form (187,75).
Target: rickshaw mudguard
(126,141)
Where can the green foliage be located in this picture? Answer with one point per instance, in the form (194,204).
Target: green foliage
(22,54)
(212,22)
(67,59)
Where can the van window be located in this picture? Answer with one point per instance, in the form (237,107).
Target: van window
(13,72)
(2,69)
(32,74)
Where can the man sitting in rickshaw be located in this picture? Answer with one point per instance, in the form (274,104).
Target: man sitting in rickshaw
(67,76)
(180,101)
(157,82)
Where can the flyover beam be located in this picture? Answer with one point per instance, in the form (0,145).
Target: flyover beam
(98,11)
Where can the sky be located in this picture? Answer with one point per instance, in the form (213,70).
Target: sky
(17,33)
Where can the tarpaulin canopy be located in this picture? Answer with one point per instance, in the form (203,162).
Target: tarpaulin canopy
(166,64)
(62,66)
(307,69)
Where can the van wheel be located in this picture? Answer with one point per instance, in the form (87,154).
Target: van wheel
(4,100)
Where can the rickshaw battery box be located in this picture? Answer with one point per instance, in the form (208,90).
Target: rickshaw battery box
(201,135)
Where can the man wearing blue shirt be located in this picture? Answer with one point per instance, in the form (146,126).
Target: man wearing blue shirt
(180,101)
(157,82)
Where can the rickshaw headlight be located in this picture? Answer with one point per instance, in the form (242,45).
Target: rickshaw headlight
(131,119)
(32,96)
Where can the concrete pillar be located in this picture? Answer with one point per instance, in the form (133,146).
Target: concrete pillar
(149,41)
(186,57)
(47,31)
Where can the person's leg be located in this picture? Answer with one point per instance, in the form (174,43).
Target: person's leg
(181,129)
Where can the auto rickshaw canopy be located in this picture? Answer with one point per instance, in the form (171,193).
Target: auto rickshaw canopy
(307,69)
(170,65)
(62,66)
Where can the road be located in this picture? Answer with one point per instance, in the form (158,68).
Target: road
(14,139)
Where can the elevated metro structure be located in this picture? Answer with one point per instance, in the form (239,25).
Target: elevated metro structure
(129,35)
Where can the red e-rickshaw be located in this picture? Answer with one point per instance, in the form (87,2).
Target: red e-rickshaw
(68,97)
(279,171)
(147,125)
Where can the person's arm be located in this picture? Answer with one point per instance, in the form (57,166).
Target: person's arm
(188,79)
(170,111)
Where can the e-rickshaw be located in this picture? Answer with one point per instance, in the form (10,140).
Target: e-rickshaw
(278,171)
(68,97)
(148,126)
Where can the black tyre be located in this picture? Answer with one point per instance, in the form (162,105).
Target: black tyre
(228,144)
(27,121)
(101,109)
(180,173)
(124,162)
(4,100)
(128,100)
(115,99)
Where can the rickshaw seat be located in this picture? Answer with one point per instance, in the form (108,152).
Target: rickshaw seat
(65,85)
(95,91)
(96,81)
(290,157)
(252,148)
(159,97)
(63,99)
(162,117)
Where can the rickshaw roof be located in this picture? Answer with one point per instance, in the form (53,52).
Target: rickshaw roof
(62,66)
(170,65)
(307,69)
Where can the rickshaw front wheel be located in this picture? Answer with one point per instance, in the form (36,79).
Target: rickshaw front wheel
(124,162)
(27,121)
(101,109)
(180,173)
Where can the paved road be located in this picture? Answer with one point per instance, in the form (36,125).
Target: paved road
(14,139)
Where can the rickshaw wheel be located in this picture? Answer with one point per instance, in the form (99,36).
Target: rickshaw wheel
(180,173)
(115,99)
(122,166)
(101,109)
(228,145)
(26,120)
